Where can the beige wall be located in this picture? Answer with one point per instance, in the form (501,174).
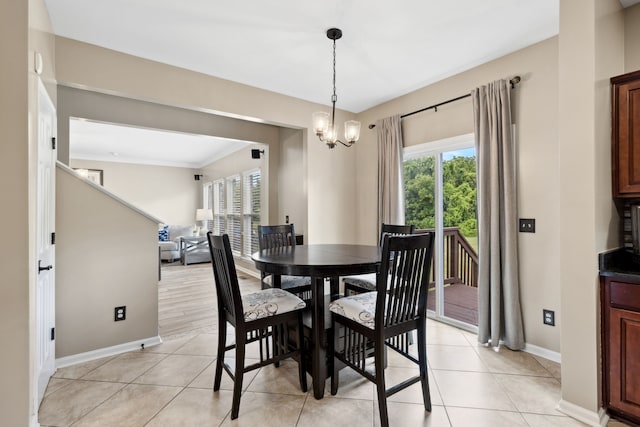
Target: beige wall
(15,259)
(168,193)
(591,50)
(107,256)
(535,115)
(291,185)
(236,163)
(632,39)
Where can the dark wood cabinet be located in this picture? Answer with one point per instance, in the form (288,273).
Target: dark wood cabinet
(625,134)
(621,347)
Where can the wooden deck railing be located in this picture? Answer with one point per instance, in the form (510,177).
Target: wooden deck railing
(460,259)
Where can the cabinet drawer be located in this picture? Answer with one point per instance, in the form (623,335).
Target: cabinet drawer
(625,295)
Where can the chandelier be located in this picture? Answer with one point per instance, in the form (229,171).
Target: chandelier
(324,126)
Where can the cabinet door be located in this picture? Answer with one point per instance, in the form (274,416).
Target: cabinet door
(626,135)
(624,360)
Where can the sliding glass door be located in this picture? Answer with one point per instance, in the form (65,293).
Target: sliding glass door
(440,196)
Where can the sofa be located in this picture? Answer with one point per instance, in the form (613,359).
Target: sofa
(169,240)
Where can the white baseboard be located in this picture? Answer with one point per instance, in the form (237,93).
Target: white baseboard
(107,351)
(596,419)
(543,352)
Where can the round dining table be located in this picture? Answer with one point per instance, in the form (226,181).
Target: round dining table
(320,262)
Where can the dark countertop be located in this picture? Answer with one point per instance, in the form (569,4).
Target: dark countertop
(620,263)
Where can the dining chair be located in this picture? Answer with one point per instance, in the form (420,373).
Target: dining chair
(280,236)
(385,317)
(270,317)
(367,282)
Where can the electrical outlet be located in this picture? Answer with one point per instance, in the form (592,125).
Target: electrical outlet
(527,225)
(549,317)
(120,313)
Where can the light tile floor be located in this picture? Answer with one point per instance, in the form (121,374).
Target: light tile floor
(171,385)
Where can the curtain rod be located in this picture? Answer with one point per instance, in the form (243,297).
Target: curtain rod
(514,81)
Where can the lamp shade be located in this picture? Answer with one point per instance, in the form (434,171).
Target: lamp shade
(204,214)
(351,131)
(320,122)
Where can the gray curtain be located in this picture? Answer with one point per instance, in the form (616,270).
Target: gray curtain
(390,176)
(499,313)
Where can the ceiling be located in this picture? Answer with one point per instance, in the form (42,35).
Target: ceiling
(387,50)
(90,140)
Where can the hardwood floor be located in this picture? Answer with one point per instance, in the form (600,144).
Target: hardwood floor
(187,300)
(460,303)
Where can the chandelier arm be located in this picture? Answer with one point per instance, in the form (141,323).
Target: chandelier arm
(346,145)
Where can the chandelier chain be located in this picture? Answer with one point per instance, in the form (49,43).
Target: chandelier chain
(334,98)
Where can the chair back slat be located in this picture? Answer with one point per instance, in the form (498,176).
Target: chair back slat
(276,236)
(403,279)
(225,277)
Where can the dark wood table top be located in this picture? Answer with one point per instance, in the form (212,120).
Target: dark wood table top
(319,260)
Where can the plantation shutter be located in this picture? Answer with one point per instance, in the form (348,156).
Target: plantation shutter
(219,208)
(234,213)
(251,211)
(208,202)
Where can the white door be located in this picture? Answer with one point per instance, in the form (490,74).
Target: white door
(45,221)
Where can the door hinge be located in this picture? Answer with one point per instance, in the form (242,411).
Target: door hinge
(53,334)
(53,143)
(53,238)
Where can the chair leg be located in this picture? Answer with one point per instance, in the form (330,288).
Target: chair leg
(276,340)
(335,379)
(238,375)
(422,363)
(381,385)
(301,370)
(222,343)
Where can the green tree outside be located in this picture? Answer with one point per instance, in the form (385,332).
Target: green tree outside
(459,193)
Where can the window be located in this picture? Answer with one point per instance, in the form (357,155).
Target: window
(235,202)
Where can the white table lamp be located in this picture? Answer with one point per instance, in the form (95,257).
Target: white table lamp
(204,215)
